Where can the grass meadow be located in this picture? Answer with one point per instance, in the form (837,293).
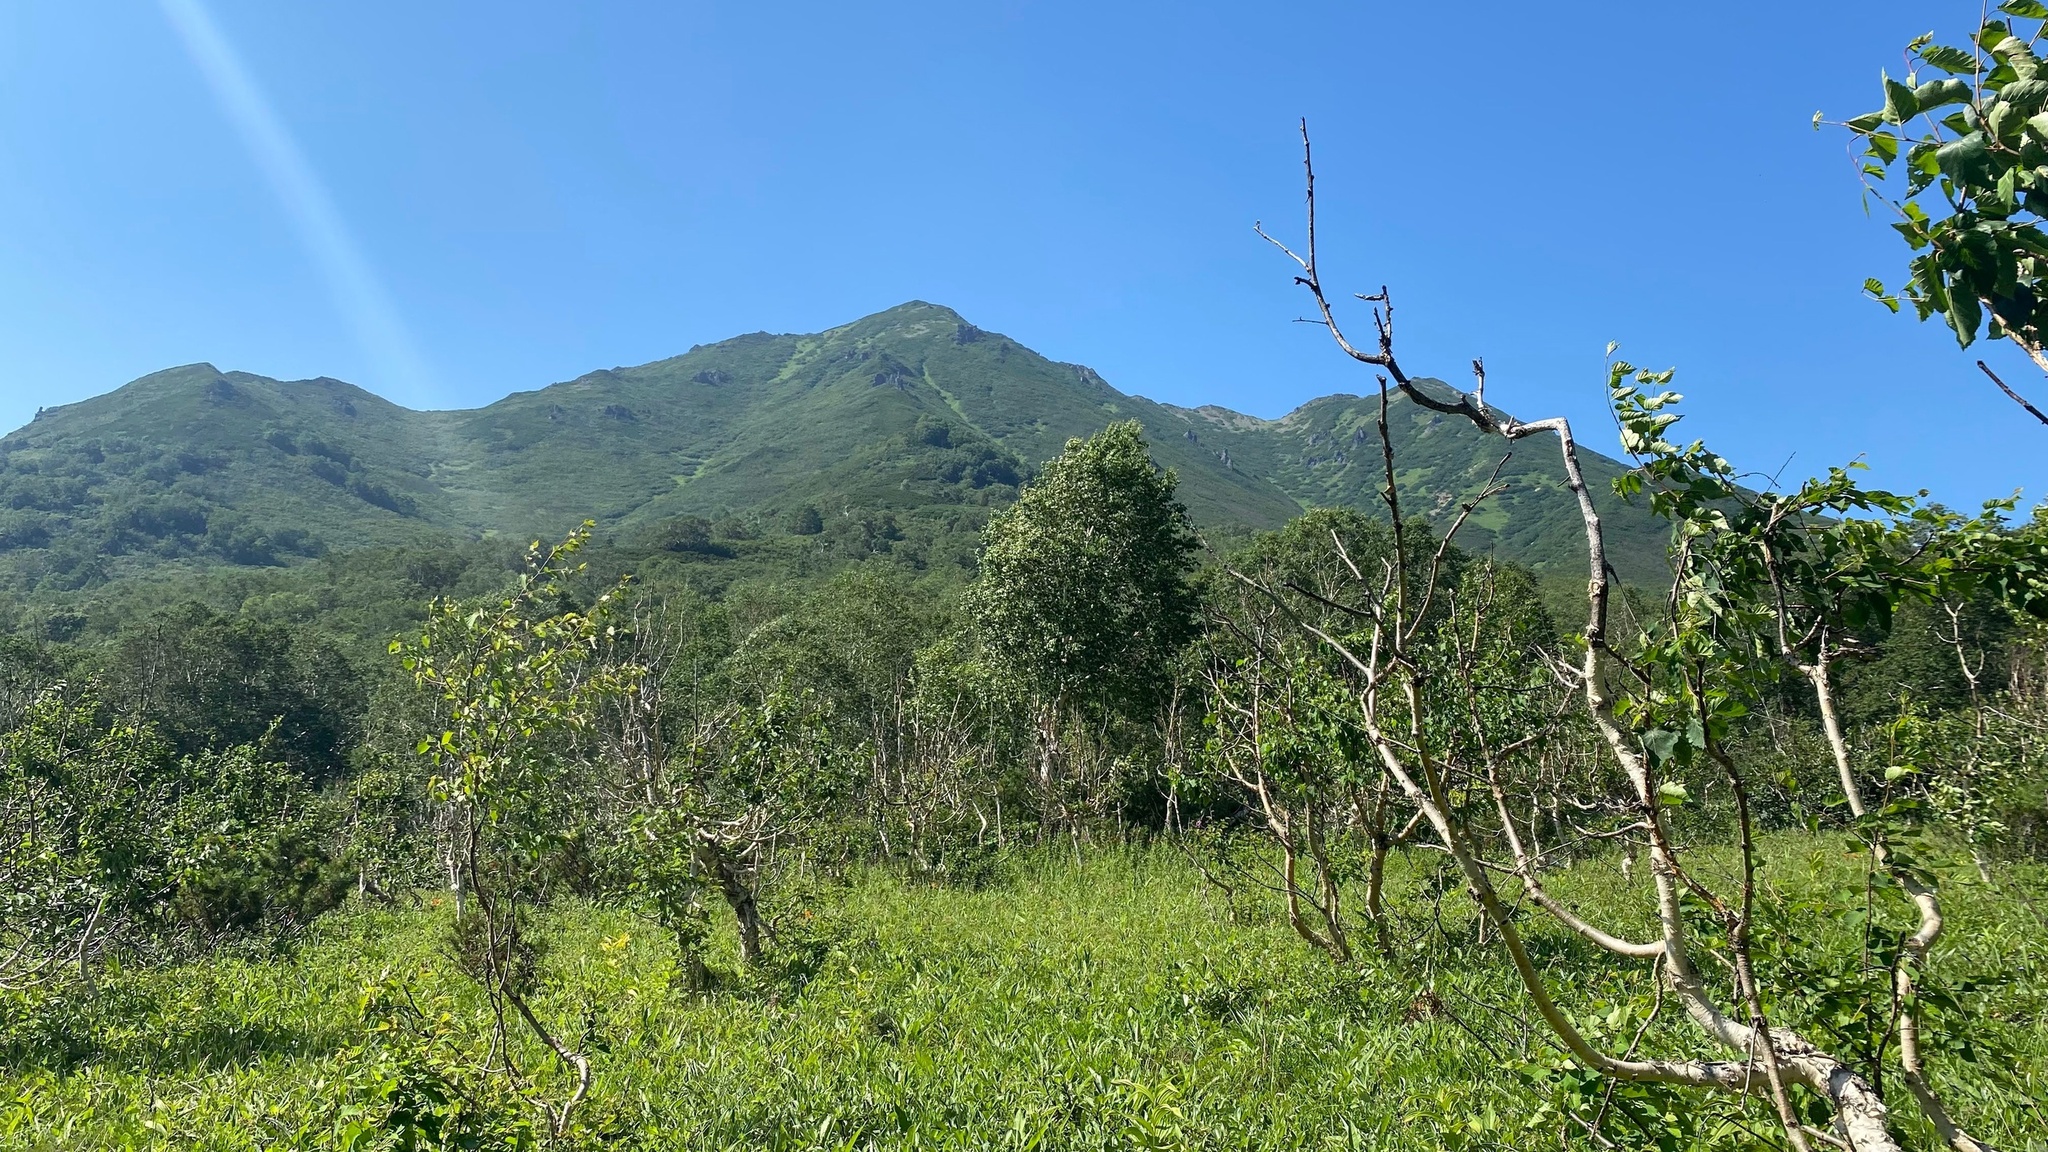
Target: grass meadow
(1115,1003)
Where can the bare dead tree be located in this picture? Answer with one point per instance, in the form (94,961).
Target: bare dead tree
(1394,709)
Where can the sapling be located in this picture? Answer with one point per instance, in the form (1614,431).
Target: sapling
(516,682)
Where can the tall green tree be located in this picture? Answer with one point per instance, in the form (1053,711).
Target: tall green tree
(1083,602)
(1084,592)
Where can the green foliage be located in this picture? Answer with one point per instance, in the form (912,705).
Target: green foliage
(513,684)
(79,830)
(246,853)
(417,1083)
(1773,582)
(852,640)
(746,790)
(385,819)
(1106,1006)
(509,680)
(778,711)
(1280,705)
(1317,558)
(806,521)
(1084,590)
(1917,658)
(1772,585)
(208,682)
(1959,152)
(1980,771)
(111,845)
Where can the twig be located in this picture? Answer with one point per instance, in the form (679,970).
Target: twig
(2007,389)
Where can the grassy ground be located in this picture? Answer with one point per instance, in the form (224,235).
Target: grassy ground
(1107,1005)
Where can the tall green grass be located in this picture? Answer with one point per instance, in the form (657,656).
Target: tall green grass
(1111,1004)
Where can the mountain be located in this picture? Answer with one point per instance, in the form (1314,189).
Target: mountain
(912,413)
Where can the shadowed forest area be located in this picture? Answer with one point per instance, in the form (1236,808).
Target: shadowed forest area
(1030,816)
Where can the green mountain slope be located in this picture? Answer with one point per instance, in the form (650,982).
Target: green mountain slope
(911,412)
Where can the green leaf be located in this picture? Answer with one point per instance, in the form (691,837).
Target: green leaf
(2028,238)
(1941,93)
(1954,61)
(1965,315)
(1661,743)
(1978,249)
(1864,123)
(1965,161)
(1922,163)
(1874,288)
(1899,104)
(2025,9)
(2027,95)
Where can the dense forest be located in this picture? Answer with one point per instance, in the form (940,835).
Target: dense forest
(975,785)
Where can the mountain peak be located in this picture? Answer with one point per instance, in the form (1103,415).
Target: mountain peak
(200,368)
(165,382)
(910,318)
(917,310)
(182,376)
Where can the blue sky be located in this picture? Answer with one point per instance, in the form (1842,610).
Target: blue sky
(447,202)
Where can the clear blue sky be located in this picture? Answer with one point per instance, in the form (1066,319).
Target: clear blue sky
(446,202)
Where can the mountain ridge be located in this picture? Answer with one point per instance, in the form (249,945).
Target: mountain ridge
(913,412)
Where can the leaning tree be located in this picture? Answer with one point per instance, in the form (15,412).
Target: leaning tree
(1760,583)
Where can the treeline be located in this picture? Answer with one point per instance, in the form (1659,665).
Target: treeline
(1094,682)
(359,598)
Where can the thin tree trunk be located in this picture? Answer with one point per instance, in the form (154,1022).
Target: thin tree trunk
(739,896)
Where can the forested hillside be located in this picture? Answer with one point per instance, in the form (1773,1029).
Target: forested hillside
(910,421)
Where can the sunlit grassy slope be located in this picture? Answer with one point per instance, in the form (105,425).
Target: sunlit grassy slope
(909,408)
(1113,1005)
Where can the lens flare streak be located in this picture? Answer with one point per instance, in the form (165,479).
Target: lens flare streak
(358,294)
